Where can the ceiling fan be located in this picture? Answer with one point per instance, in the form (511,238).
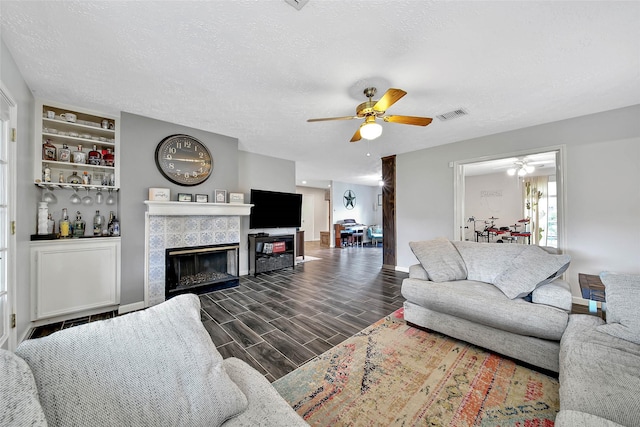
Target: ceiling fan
(372,110)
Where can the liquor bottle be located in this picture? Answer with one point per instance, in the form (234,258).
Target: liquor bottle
(86,178)
(61,177)
(64,154)
(78,225)
(79,156)
(64,224)
(109,158)
(46,173)
(48,150)
(116,227)
(110,223)
(98,224)
(95,157)
(51,224)
(43,213)
(74,178)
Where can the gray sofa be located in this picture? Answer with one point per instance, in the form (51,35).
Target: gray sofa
(149,368)
(503,297)
(600,362)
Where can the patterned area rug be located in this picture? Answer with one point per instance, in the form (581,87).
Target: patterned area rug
(391,374)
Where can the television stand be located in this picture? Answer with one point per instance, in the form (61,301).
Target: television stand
(269,253)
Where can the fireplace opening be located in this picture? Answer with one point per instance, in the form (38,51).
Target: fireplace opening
(201,269)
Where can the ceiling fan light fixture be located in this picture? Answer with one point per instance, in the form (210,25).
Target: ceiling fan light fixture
(529,168)
(511,171)
(522,172)
(370,130)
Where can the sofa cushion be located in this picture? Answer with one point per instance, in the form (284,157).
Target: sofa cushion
(532,267)
(19,404)
(623,299)
(149,368)
(599,373)
(556,293)
(440,259)
(485,261)
(485,304)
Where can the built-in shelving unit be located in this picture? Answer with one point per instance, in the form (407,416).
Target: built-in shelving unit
(85,128)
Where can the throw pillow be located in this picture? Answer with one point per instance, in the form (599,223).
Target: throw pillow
(156,367)
(622,293)
(440,259)
(19,405)
(531,268)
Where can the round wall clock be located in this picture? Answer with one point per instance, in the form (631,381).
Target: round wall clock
(184,160)
(349,199)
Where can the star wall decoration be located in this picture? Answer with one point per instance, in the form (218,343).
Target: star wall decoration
(349,199)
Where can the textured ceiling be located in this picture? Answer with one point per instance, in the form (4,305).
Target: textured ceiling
(257,70)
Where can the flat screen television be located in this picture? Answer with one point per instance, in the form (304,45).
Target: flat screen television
(273,209)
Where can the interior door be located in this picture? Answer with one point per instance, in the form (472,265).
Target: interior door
(308,217)
(7,241)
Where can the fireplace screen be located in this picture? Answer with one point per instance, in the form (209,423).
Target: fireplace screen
(201,269)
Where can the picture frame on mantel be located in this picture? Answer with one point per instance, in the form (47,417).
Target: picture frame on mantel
(220,196)
(202,198)
(185,197)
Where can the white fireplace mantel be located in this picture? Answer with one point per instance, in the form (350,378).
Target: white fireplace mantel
(193,208)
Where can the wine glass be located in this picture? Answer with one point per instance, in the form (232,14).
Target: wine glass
(75,198)
(87,200)
(49,197)
(99,196)
(111,200)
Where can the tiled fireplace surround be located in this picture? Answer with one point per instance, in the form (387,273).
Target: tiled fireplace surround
(182,224)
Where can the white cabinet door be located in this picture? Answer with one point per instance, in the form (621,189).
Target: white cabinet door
(74,275)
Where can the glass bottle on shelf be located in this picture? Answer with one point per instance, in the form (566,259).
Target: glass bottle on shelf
(64,154)
(74,178)
(95,157)
(48,150)
(110,223)
(86,178)
(98,224)
(64,224)
(51,224)
(78,225)
(116,227)
(46,173)
(109,158)
(79,156)
(61,177)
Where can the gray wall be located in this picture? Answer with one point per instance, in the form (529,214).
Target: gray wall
(602,209)
(262,173)
(139,137)
(27,192)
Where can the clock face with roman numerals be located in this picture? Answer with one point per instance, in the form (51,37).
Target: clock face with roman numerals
(184,160)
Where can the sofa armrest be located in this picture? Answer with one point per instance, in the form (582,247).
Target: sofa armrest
(418,272)
(556,294)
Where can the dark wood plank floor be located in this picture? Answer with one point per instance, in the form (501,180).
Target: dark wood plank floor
(277,321)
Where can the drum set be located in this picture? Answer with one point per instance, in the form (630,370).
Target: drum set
(501,234)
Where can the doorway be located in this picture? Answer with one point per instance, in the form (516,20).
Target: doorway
(512,198)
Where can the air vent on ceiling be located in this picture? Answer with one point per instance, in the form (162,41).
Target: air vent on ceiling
(453,114)
(298,4)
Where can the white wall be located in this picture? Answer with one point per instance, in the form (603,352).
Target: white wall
(496,195)
(602,199)
(366,210)
(320,211)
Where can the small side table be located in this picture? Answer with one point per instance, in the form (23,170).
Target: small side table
(593,290)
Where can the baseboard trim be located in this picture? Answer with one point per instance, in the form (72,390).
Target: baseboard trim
(127,308)
(402,269)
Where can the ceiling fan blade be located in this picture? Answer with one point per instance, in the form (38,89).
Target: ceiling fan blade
(356,136)
(326,119)
(408,120)
(388,99)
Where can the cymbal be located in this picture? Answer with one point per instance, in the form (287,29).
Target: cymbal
(524,220)
(494,218)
